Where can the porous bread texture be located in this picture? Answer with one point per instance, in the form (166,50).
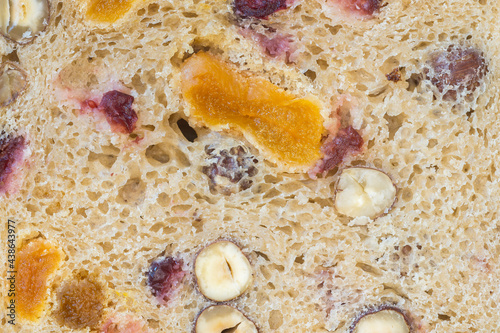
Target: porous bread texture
(113,207)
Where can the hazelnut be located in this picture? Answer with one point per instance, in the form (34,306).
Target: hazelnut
(12,82)
(222,271)
(223,318)
(364,192)
(23,20)
(387,320)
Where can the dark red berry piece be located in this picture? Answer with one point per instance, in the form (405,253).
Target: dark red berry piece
(347,140)
(457,70)
(257,8)
(164,276)
(11,153)
(117,108)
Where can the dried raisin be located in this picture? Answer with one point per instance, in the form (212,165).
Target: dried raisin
(257,8)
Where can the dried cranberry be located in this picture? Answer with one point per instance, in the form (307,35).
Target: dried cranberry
(164,276)
(117,107)
(11,152)
(456,70)
(235,165)
(346,141)
(257,8)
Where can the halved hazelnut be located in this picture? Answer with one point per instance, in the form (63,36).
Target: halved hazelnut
(222,271)
(12,82)
(388,320)
(223,318)
(364,192)
(23,20)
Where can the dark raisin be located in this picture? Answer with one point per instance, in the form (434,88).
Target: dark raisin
(394,76)
(11,153)
(81,303)
(346,141)
(117,107)
(257,8)
(455,71)
(229,170)
(164,276)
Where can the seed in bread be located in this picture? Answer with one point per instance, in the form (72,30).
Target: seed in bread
(223,318)
(364,192)
(23,20)
(222,271)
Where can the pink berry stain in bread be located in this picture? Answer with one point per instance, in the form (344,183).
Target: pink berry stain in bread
(11,157)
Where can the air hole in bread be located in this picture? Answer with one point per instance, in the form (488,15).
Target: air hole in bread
(157,154)
(133,192)
(187,131)
(310,74)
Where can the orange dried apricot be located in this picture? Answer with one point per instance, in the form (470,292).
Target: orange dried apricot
(108,11)
(36,262)
(288,130)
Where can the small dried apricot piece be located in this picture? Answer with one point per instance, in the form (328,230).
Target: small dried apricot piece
(81,303)
(36,262)
(108,11)
(286,129)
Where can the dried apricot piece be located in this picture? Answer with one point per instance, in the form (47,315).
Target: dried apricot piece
(108,11)
(286,129)
(36,262)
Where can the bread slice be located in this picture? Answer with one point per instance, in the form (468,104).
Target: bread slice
(418,80)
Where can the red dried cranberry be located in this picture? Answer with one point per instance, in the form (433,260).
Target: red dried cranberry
(11,152)
(164,276)
(117,107)
(346,141)
(456,70)
(257,8)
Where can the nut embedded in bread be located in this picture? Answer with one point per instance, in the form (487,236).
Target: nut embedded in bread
(23,20)
(13,81)
(364,192)
(223,318)
(386,320)
(222,271)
